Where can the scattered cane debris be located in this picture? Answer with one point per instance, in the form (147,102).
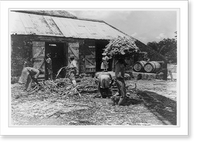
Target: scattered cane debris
(60,103)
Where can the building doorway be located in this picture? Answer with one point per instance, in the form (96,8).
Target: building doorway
(100,45)
(58,56)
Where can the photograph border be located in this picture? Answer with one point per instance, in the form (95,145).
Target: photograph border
(178,82)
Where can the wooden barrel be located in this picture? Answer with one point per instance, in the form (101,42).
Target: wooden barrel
(139,66)
(152,66)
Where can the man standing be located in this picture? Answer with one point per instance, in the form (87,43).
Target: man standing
(104,64)
(49,67)
(119,68)
(104,81)
(73,69)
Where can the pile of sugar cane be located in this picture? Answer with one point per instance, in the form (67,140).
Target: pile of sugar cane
(121,46)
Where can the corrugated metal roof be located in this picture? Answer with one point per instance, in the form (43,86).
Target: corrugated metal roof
(24,23)
(58,13)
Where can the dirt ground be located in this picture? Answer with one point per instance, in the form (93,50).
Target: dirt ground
(152,103)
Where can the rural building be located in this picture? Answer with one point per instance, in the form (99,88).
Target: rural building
(37,33)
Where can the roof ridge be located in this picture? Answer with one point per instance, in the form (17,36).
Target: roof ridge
(56,15)
(89,19)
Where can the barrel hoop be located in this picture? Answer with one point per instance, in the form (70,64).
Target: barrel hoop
(139,66)
(148,67)
(152,66)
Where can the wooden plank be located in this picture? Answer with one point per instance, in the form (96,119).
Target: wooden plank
(73,49)
(38,52)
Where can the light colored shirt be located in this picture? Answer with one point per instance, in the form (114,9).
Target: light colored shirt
(104,65)
(73,64)
(104,80)
(26,71)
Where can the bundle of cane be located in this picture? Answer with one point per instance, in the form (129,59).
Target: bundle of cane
(121,47)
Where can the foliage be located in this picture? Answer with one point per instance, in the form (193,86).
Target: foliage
(151,54)
(21,50)
(166,47)
(153,45)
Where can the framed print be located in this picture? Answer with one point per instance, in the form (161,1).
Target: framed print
(94,68)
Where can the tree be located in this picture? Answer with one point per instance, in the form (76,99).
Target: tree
(20,52)
(166,47)
(153,45)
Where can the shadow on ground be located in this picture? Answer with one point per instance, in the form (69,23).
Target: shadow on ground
(132,101)
(163,108)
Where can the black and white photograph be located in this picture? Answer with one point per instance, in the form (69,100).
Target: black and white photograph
(94,67)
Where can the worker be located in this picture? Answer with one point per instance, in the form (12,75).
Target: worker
(29,75)
(104,64)
(104,81)
(119,68)
(73,69)
(49,67)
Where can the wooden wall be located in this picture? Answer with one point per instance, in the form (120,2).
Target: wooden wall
(24,47)
(84,50)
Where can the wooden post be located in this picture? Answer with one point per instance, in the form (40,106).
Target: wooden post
(165,71)
(171,75)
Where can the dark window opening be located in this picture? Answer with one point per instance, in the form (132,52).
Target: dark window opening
(58,56)
(100,45)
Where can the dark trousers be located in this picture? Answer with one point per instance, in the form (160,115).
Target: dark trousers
(49,74)
(105,92)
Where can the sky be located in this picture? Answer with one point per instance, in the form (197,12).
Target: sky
(146,26)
